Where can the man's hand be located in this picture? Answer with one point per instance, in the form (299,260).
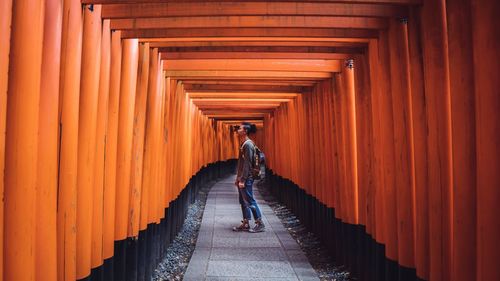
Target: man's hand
(241,184)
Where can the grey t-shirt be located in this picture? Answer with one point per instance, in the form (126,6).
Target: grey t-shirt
(245,157)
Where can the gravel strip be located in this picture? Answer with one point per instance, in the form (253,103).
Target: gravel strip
(317,255)
(175,263)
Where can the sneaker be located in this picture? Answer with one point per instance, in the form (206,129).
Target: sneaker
(259,227)
(244,226)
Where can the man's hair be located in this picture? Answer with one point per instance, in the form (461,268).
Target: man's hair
(249,128)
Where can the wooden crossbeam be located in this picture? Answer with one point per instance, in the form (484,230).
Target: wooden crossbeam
(238,107)
(220,74)
(238,101)
(195,89)
(240,116)
(250,21)
(252,55)
(183,9)
(274,49)
(164,32)
(379,2)
(237,122)
(262,43)
(252,82)
(247,113)
(238,119)
(252,39)
(255,65)
(241,95)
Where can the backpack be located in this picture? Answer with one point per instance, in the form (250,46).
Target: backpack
(257,162)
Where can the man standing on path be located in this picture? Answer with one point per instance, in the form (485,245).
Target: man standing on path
(244,181)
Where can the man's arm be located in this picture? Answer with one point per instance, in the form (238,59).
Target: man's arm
(247,162)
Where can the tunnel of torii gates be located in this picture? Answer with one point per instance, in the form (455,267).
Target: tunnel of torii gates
(379,119)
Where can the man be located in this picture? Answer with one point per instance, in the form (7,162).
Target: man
(244,181)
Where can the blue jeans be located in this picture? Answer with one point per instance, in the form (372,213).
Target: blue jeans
(248,204)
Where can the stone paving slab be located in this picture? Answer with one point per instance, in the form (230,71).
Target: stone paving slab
(222,254)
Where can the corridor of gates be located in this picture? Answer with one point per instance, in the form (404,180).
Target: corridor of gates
(379,120)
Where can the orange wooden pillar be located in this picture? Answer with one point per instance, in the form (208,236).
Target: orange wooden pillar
(350,142)
(486,43)
(89,93)
(419,146)
(125,128)
(167,169)
(313,131)
(108,231)
(364,139)
(436,80)
(150,154)
(5,21)
(146,186)
(340,211)
(162,146)
(21,142)
(335,182)
(464,140)
(138,140)
(387,145)
(403,140)
(99,162)
(318,153)
(71,49)
(378,185)
(46,206)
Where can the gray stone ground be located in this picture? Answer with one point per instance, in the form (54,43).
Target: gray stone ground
(222,254)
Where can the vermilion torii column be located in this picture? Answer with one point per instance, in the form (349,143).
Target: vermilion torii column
(130,56)
(100,149)
(21,141)
(48,142)
(5,20)
(108,231)
(89,93)
(71,51)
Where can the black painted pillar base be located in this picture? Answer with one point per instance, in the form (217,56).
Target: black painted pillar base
(136,258)
(348,244)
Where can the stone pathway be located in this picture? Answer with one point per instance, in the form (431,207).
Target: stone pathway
(222,254)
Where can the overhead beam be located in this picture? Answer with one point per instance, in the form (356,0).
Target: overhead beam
(253,82)
(219,74)
(237,113)
(250,21)
(240,95)
(226,108)
(397,2)
(263,38)
(235,101)
(183,9)
(239,116)
(255,64)
(263,43)
(278,49)
(237,122)
(195,89)
(164,32)
(235,119)
(251,55)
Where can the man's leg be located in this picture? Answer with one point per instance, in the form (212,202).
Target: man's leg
(251,200)
(248,195)
(245,209)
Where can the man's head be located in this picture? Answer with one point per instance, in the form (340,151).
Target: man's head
(246,129)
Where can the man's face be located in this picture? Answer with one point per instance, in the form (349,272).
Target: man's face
(241,131)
